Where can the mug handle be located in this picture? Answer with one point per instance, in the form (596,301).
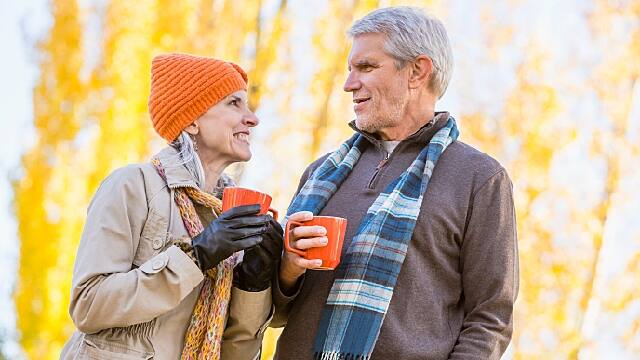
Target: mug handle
(286,239)
(274,213)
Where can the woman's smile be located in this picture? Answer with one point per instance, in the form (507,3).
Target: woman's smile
(242,136)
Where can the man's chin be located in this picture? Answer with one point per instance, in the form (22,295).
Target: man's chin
(363,124)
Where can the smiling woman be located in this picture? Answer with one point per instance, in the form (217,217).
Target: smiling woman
(158,265)
(222,134)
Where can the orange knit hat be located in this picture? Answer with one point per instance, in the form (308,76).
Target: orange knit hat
(183,87)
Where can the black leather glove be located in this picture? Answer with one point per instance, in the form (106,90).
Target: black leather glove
(236,229)
(261,261)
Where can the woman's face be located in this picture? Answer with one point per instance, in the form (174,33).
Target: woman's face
(224,130)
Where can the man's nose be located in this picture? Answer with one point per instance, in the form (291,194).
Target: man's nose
(352,83)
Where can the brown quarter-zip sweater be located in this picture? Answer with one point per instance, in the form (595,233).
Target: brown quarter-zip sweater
(455,292)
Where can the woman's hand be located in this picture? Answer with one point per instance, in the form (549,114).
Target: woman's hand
(236,229)
(259,263)
(301,237)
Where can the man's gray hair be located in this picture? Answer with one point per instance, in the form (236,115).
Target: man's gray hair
(411,32)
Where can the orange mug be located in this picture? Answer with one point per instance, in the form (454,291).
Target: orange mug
(237,196)
(329,254)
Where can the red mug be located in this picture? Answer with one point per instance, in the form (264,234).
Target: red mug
(237,196)
(329,254)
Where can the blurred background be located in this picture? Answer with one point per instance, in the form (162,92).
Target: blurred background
(549,88)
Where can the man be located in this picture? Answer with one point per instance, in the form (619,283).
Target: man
(429,267)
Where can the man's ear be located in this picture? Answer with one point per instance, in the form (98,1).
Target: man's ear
(421,70)
(193,128)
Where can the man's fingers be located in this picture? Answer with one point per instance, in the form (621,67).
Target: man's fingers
(307,264)
(308,231)
(301,216)
(308,243)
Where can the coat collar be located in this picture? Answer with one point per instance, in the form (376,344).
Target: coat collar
(178,176)
(176,173)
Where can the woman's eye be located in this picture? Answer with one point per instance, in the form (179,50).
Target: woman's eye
(233,102)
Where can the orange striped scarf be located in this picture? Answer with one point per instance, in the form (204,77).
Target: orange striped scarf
(204,335)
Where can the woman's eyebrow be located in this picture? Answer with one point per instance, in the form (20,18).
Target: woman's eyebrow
(236,97)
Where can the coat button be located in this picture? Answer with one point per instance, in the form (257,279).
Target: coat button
(157,244)
(157,264)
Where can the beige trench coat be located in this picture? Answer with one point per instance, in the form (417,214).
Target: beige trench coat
(133,292)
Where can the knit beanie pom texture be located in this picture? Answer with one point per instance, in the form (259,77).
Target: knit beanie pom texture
(184,87)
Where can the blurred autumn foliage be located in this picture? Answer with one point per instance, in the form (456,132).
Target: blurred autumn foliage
(559,109)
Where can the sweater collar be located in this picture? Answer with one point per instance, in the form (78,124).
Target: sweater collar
(422,136)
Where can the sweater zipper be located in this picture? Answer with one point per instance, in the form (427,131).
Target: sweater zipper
(381,164)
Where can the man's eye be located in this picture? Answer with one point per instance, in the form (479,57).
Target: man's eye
(234,102)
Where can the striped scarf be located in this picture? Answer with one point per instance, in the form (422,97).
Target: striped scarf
(204,335)
(365,279)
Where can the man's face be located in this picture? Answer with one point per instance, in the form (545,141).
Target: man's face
(380,91)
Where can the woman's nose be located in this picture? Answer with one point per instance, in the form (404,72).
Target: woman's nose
(250,119)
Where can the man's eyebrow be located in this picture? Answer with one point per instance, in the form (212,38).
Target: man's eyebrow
(363,63)
(366,62)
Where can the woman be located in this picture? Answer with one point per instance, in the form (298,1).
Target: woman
(157,273)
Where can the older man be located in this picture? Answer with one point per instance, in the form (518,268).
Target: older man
(429,267)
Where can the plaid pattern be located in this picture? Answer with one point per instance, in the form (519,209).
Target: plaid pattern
(367,274)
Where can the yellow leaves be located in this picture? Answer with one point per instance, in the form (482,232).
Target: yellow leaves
(44,214)
(620,68)
(269,343)
(318,121)
(478,130)
(331,51)
(616,83)
(527,137)
(626,287)
(498,35)
(86,126)
(622,295)
(266,54)
(559,294)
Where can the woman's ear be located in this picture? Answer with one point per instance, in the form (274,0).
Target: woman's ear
(193,128)
(421,70)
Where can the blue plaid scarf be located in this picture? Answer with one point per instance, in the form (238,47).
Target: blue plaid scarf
(366,277)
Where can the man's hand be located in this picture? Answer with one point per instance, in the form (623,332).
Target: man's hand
(302,238)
